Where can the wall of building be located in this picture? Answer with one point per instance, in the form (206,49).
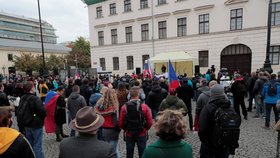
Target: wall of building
(253,33)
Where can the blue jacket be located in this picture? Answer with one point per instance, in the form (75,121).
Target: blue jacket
(270,99)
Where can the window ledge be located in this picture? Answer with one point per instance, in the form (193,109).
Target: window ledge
(144,8)
(99,17)
(113,14)
(128,12)
(159,5)
(178,1)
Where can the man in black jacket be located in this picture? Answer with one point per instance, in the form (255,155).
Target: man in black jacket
(86,90)
(251,85)
(34,129)
(186,93)
(4,101)
(86,144)
(207,124)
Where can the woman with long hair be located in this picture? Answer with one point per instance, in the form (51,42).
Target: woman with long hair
(108,107)
(122,93)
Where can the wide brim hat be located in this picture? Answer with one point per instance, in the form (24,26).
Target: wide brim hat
(86,120)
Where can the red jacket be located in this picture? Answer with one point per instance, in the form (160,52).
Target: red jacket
(147,114)
(110,121)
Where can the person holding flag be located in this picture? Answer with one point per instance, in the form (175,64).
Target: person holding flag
(147,73)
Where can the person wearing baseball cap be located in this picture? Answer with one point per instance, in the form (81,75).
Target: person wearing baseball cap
(86,144)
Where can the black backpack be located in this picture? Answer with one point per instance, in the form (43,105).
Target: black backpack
(241,88)
(227,128)
(23,112)
(134,120)
(272,89)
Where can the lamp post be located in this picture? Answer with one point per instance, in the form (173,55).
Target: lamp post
(42,42)
(267,64)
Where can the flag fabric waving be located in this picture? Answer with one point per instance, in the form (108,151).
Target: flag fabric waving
(50,105)
(77,74)
(173,82)
(147,70)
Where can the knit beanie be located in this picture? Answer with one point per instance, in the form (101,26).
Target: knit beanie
(217,90)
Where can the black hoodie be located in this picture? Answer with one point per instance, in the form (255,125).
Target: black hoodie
(155,97)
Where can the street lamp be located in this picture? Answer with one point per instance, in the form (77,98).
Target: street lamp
(42,42)
(267,64)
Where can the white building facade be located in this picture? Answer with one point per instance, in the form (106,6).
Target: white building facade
(224,33)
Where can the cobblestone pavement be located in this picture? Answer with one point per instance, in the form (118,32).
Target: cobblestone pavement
(254,142)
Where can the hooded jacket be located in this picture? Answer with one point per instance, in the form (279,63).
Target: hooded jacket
(259,85)
(185,92)
(202,101)
(75,103)
(155,97)
(13,144)
(206,118)
(173,103)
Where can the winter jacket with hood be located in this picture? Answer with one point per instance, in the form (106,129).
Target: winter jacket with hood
(14,145)
(202,101)
(259,85)
(74,103)
(185,92)
(156,96)
(173,103)
(206,118)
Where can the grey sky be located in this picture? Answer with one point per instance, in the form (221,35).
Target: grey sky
(68,17)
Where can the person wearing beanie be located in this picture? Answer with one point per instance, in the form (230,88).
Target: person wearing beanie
(207,123)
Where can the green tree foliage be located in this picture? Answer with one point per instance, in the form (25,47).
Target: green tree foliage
(81,50)
(25,62)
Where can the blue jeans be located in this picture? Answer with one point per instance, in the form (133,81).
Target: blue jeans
(130,143)
(268,108)
(35,138)
(115,145)
(259,105)
(154,113)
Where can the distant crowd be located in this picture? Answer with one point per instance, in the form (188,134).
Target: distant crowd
(99,108)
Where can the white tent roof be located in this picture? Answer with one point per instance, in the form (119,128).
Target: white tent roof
(173,56)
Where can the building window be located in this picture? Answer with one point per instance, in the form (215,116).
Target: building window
(145,32)
(102,64)
(144,58)
(203,58)
(127,5)
(129,60)
(181,27)
(99,12)
(162,29)
(10,57)
(160,2)
(143,4)
(274,55)
(113,10)
(236,19)
(114,36)
(128,34)
(116,63)
(275,14)
(203,23)
(101,38)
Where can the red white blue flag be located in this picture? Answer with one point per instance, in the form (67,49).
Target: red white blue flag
(77,74)
(173,82)
(147,70)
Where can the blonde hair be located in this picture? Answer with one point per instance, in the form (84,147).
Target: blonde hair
(109,98)
(170,125)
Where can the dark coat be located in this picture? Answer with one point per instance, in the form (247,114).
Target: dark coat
(174,103)
(4,101)
(60,113)
(85,146)
(156,96)
(86,92)
(202,101)
(185,92)
(37,109)
(251,84)
(206,118)
(259,85)
(20,148)
(74,103)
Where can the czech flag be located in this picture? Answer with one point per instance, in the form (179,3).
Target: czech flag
(77,74)
(147,70)
(50,105)
(172,77)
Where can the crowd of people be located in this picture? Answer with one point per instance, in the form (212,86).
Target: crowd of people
(99,109)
